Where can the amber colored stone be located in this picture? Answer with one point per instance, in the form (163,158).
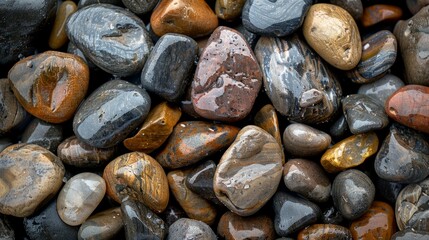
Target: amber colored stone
(232,226)
(377,223)
(139,176)
(409,106)
(350,152)
(324,232)
(194,140)
(193,18)
(58,35)
(229,9)
(266,118)
(379,13)
(195,206)
(50,85)
(156,128)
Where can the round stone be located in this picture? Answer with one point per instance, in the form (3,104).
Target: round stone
(304,141)
(381,89)
(186,228)
(103,225)
(232,226)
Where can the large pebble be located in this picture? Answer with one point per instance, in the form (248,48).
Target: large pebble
(186,228)
(103,225)
(304,141)
(44,134)
(31,175)
(325,232)
(232,226)
(200,181)
(12,114)
(381,89)
(249,171)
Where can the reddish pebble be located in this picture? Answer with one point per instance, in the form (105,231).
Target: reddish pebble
(379,13)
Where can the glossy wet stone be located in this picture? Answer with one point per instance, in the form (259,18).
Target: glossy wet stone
(379,52)
(193,18)
(363,114)
(227,79)
(354,7)
(403,156)
(340,128)
(47,224)
(251,38)
(192,141)
(195,206)
(50,85)
(138,176)
(408,106)
(232,226)
(411,208)
(296,81)
(381,89)
(186,228)
(377,223)
(331,215)
(156,128)
(293,213)
(304,141)
(325,232)
(172,213)
(113,38)
(103,225)
(168,67)
(350,152)
(200,181)
(140,6)
(266,118)
(140,222)
(409,234)
(412,37)
(284,18)
(110,113)
(388,190)
(58,35)
(332,32)
(44,134)
(12,114)
(229,10)
(307,178)
(353,193)
(31,175)
(415,5)
(249,171)
(380,13)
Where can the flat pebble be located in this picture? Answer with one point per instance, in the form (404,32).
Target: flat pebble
(409,234)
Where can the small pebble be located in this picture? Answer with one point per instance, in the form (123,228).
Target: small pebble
(354,7)
(325,232)
(232,226)
(58,36)
(44,134)
(380,13)
(200,181)
(103,225)
(266,118)
(381,89)
(304,141)
(186,228)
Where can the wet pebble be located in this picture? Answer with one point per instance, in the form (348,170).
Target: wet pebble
(388,190)
(186,228)
(103,225)
(380,13)
(229,10)
(58,36)
(140,7)
(12,114)
(266,118)
(200,181)
(325,232)
(354,7)
(409,234)
(44,134)
(232,226)
(381,89)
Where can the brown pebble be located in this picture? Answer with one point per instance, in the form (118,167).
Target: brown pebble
(267,119)
(304,141)
(58,35)
(229,10)
(12,114)
(324,232)
(103,225)
(380,13)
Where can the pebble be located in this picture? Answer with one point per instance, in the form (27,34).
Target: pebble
(58,37)
(156,128)
(380,13)
(249,171)
(325,232)
(6,230)
(308,179)
(103,225)
(169,65)
(110,113)
(186,228)
(140,7)
(388,190)
(229,10)
(381,89)
(409,234)
(363,114)
(403,156)
(377,223)
(84,3)
(44,134)
(353,193)
(302,140)
(192,141)
(266,118)
(193,18)
(113,38)
(284,18)
(354,7)
(332,32)
(50,85)
(293,213)
(138,176)
(227,79)
(350,152)
(408,106)
(12,114)
(173,212)
(309,94)
(195,206)
(415,5)
(232,226)
(331,215)
(31,175)
(200,181)
(340,128)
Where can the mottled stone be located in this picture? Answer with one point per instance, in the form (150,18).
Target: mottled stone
(308,179)
(200,181)
(284,18)
(380,13)
(408,106)
(229,10)
(363,114)
(140,6)
(409,234)
(325,232)
(350,152)
(353,193)
(381,89)
(296,81)
(192,141)
(293,213)
(50,85)
(195,206)
(304,141)
(266,118)
(249,171)
(232,226)
(103,225)
(354,7)
(12,114)
(193,18)
(227,79)
(44,134)
(186,228)
(138,176)
(415,5)
(110,113)
(58,36)
(30,176)
(113,38)
(332,32)
(403,156)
